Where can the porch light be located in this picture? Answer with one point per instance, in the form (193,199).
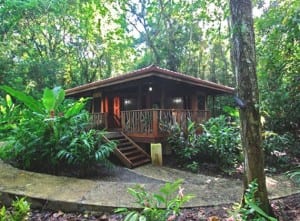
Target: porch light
(177,100)
(150,88)
(127,101)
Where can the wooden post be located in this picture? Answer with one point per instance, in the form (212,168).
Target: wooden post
(194,106)
(155,123)
(156,154)
(123,120)
(105,115)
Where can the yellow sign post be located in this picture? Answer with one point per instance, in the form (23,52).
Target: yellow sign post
(156,154)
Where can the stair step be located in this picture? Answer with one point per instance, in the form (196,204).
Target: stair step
(121,139)
(133,151)
(123,149)
(124,144)
(127,151)
(136,157)
(147,160)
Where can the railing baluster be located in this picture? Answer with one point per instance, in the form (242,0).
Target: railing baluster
(149,121)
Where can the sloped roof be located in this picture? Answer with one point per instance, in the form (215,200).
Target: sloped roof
(148,72)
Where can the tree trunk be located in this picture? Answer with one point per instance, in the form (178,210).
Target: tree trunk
(243,44)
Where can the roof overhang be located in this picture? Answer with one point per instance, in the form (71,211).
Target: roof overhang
(150,72)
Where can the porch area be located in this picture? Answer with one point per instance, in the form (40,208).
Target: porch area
(148,125)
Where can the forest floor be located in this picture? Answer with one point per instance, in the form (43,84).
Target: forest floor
(285,209)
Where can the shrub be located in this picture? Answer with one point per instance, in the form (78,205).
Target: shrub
(52,133)
(9,115)
(219,143)
(19,211)
(162,206)
(84,149)
(279,149)
(185,144)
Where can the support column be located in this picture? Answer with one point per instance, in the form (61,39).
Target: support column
(156,154)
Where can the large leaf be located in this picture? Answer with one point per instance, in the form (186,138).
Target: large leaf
(48,99)
(27,100)
(59,94)
(53,98)
(75,109)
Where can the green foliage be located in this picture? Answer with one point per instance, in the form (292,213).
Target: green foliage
(278,50)
(250,209)
(181,37)
(9,115)
(279,149)
(185,144)
(85,148)
(157,207)
(19,211)
(221,141)
(52,132)
(218,143)
(45,43)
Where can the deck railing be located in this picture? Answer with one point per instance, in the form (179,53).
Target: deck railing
(152,122)
(99,120)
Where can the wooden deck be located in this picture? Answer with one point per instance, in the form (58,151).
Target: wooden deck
(148,125)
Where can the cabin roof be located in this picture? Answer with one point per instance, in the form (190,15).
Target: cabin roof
(149,72)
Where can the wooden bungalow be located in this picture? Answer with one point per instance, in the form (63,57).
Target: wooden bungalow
(137,105)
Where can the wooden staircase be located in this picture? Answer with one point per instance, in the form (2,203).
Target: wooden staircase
(131,154)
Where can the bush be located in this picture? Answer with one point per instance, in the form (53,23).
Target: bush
(185,144)
(219,143)
(162,206)
(52,133)
(19,211)
(279,149)
(9,115)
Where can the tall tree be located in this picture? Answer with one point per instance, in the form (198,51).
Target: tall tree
(46,43)
(243,43)
(278,47)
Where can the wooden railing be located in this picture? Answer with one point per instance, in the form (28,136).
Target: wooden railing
(99,120)
(152,122)
(137,121)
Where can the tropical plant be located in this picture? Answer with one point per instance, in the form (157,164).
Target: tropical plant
(53,132)
(85,148)
(249,209)
(185,144)
(161,206)
(9,115)
(221,142)
(19,211)
(216,141)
